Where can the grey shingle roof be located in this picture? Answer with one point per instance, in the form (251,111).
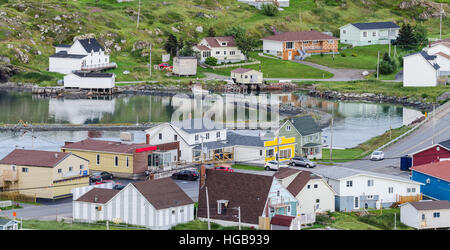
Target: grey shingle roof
(445,144)
(197,125)
(377,25)
(64,54)
(90,44)
(306,125)
(92,74)
(431,205)
(234,139)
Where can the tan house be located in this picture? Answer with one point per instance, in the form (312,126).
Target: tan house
(43,174)
(246,76)
(299,45)
(125,160)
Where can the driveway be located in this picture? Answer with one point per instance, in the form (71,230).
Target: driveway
(339,74)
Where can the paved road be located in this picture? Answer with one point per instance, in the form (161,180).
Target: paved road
(417,140)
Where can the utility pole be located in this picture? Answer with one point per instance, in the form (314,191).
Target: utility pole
(378,64)
(278,150)
(395,221)
(32,138)
(207,208)
(331,139)
(440,22)
(150,60)
(139,14)
(389,48)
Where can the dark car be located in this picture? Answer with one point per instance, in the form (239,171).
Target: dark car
(118,186)
(186,175)
(100,176)
(300,161)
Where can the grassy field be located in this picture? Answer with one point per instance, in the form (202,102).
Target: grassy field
(276,68)
(423,94)
(248,167)
(364,149)
(202,225)
(61,225)
(374,220)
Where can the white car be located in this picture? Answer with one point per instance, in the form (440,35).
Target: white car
(377,156)
(273,165)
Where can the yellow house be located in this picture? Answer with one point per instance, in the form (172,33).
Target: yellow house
(286,146)
(43,174)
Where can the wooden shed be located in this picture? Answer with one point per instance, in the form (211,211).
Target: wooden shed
(185,65)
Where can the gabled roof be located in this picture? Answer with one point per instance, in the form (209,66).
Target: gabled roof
(427,57)
(103,195)
(445,144)
(90,44)
(440,170)
(285,172)
(214,41)
(443,55)
(35,158)
(300,36)
(202,47)
(247,191)
(447,40)
(376,25)
(306,125)
(430,205)
(163,193)
(234,139)
(105,146)
(299,182)
(197,125)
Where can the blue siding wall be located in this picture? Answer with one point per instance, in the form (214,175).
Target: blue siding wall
(437,188)
(344,203)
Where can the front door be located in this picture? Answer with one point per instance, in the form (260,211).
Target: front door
(290,55)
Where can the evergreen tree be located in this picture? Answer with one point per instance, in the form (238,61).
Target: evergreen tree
(171,45)
(406,37)
(211,32)
(387,65)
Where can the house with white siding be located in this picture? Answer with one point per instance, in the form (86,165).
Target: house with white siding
(104,82)
(426,214)
(84,54)
(223,48)
(357,189)
(361,34)
(421,70)
(156,204)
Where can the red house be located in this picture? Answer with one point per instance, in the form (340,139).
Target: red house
(431,154)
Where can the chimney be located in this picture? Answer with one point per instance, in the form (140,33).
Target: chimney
(56,155)
(147,139)
(202,175)
(95,198)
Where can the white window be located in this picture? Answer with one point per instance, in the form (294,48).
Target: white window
(317,200)
(221,206)
(260,152)
(217,52)
(349,183)
(370,183)
(289,209)
(13,167)
(316,186)
(289,45)
(356,202)
(224,52)
(288,128)
(224,44)
(309,186)
(285,153)
(207,136)
(232,53)
(436,214)
(24,170)
(218,134)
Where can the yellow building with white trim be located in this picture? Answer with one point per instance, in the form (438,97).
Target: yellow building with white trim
(286,146)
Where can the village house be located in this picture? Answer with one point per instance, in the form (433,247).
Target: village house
(299,45)
(224,49)
(185,65)
(435,47)
(246,76)
(312,192)
(84,54)
(308,136)
(124,159)
(361,34)
(156,204)
(257,198)
(426,214)
(100,82)
(434,153)
(31,170)
(357,189)
(435,178)
(422,70)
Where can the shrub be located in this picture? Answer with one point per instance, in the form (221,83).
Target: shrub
(269,9)
(212,61)
(343,54)
(321,54)
(354,54)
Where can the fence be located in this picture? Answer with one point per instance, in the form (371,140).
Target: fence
(5,204)
(411,198)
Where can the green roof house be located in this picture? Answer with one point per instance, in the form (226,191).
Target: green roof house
(308,136)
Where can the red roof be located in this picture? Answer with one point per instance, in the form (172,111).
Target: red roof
(282,220)
(214,41)
(36,158)
(300,36)
(447,40)
(105,146)
(439,170)
(202,47)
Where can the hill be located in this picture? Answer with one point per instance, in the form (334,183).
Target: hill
(29,28)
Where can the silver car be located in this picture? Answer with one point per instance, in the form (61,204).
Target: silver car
(300,161)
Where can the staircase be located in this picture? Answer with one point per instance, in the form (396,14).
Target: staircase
(302,55)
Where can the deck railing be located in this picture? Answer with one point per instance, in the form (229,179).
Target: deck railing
(99,66)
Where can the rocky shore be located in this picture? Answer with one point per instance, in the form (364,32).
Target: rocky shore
(370,97)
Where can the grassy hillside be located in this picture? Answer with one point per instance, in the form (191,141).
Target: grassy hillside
(29,28)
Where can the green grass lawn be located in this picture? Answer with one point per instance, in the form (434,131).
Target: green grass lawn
(276,68)
(248,167)
(61,225)
(203,225)
(423,94)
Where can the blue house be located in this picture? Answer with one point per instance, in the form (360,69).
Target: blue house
(435,177)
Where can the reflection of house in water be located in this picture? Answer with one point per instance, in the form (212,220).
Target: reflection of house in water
(410,115)
(81,111)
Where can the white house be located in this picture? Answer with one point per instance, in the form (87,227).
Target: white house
(356,189)
(426,214)
(223,48)
(103,82)
(156,204)
(438,46)
(312,192)
(421,70)
(361,34)
(85,54)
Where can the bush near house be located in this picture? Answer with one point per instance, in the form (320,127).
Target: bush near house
(212,61)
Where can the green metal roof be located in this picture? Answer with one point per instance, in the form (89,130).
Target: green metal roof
(306,125)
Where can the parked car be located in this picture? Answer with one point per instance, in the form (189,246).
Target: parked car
(191,175)
(273,165)
(165,66)
(100,176)
(301,161)
(377,156)
(224,168)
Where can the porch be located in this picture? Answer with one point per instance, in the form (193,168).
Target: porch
(312,150)
(96,67)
